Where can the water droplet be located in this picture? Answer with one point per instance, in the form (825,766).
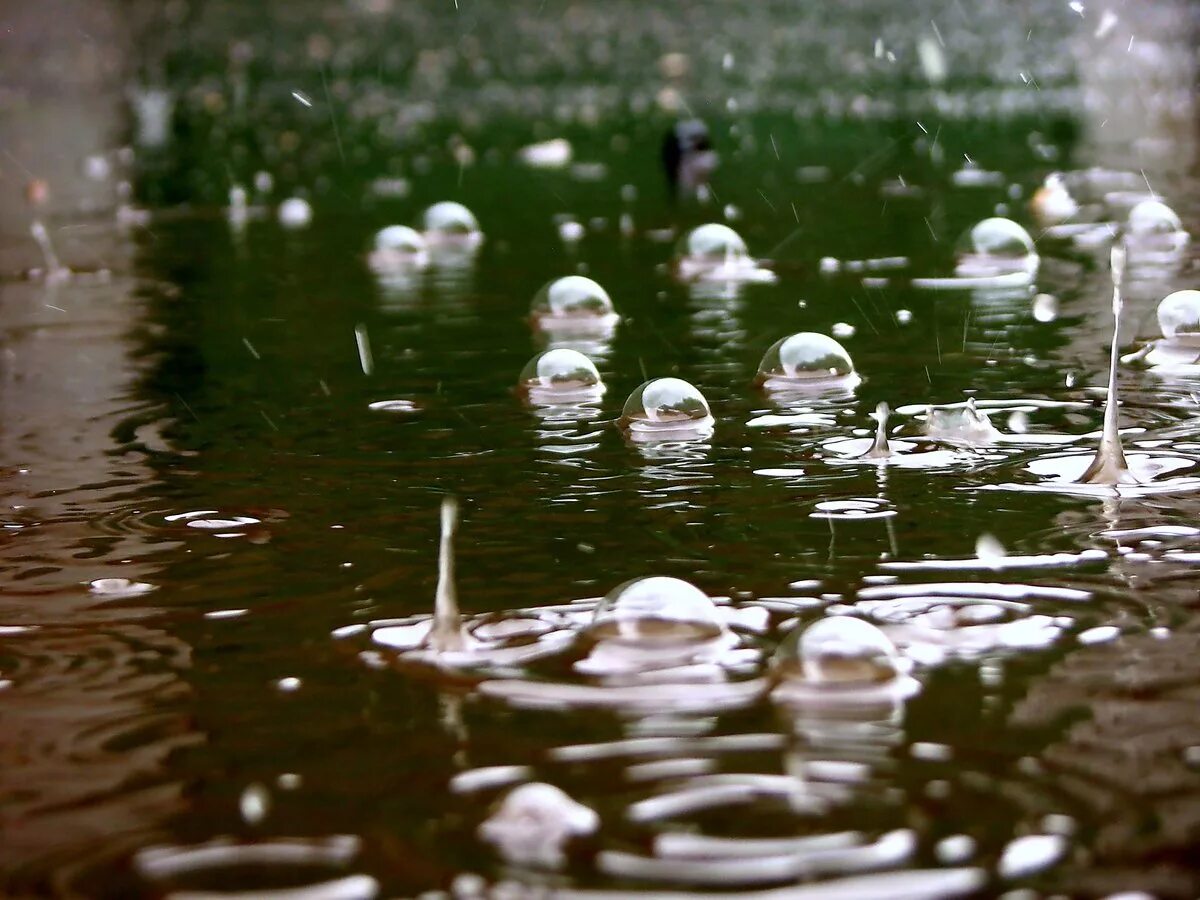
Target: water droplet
(838,651)
(1045,307)
(295,212)
(561,374)
(805,358)
(288,685)
(989,550)
(656,610)
(903,316)
(254,804)
(842,330)
(1179,317)
(666,408)
(995,246)
(1052,203)
(451,223)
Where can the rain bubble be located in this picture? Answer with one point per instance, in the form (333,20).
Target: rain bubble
(657,610)
(667,409)
(838,651)
(535,822)
(995,246)
(1052,203)
(714,245)
(451,223)
(399,250)
(295,212)
(573,303)
(1179,317)
(560,374)
(400,240)
(1152,225)
(806,358)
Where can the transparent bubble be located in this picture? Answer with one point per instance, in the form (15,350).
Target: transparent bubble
(1153,222)
(1179,316)
(573,297)
(400,240)
(657,610)
(450,221)
(806,356)
(995,246)
(560,370)
(714,243)
(838,651)
(666,405)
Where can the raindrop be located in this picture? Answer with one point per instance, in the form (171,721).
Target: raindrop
(666,409)
(1045,307)
(1052,203)
(656,610)
(254,804)
(995,246)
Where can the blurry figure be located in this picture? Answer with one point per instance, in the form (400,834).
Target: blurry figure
(688,158)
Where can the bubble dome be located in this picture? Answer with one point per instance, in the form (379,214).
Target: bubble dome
(668,406)
(656,610)
(805,357)
(995,246)
(1153,224)
(1179,317)
(400,240)
(838,652)
(715,244)
(450,222)
(572,299)
(561,371)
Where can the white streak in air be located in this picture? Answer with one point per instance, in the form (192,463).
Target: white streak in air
(302,97)
(364,349)
(250,347)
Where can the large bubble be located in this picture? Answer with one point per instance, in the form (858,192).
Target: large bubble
(838,652)
(655,611)
(561,374)
(805,357)
(1179,317)
(573,302)
(714,243)
(670,408)
(995,246)
(1154,224)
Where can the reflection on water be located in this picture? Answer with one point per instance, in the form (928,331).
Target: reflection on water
(225,440)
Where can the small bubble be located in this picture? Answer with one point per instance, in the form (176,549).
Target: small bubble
(805,357)
(254,804)
(450,222)
(560,373)
(842,330)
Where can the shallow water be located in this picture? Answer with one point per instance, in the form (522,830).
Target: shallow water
(201,419)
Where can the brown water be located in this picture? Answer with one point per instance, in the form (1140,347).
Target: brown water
(189,413)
